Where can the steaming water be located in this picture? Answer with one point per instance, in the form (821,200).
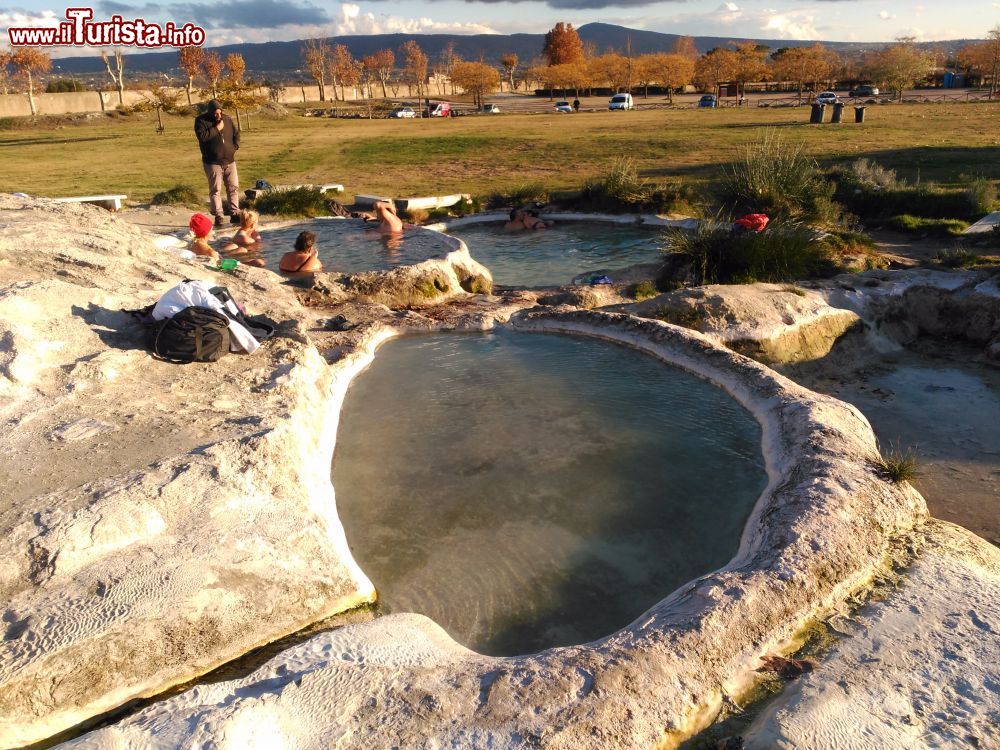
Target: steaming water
(556,255)
(534,490)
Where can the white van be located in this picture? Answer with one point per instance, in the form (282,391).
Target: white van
(621,101)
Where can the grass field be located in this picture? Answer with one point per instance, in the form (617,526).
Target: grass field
(943,143)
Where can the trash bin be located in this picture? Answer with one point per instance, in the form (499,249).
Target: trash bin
(838,112)
(817,114)
(859,114)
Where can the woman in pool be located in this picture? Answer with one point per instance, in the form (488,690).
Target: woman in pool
(388,220)
(248,236)
(522,219)
(304,258)
(201,226)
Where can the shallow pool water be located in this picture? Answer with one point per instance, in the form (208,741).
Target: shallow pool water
(351,246)
(556,255)
(534,490)
(936,401)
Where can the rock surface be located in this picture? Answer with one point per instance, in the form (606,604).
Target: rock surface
(921,669)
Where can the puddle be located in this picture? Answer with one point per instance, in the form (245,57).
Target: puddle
(535,490)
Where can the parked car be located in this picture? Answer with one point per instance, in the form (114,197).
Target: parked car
(621,101)
(437,109)
(563,106)
(861,91)
(827,97)
(708,100)
(491,109)
(404,112)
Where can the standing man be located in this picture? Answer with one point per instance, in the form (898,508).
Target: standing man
(219,140)
(576,104)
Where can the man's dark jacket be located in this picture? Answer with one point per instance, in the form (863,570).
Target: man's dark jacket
(217,147)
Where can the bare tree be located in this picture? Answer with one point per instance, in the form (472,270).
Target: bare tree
(211,63)
(28,61)
(116,74)
(509,64)
(189,59)
(448,58)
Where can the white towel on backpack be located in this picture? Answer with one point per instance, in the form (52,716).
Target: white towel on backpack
(196,294)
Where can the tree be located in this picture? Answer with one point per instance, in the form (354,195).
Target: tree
(612,69)
(28,61)
(384,63)
(344,69)
(189,60)
(5,60)
(714,67)
(415,66)
(235,68)
(562,45)
(983,58)
(672,71)
(447,59)
(369,64)
(684,46)
(751,64)
(475,78)
(116,74)
(644,72)
(574,75)
(509,63)
(316,57)
(64,85)
(211,63)
(802,65)
(899,66)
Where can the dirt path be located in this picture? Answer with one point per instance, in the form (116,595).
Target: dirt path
(906,249)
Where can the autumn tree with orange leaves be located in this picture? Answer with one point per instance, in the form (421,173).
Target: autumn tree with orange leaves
(189,60)
(562,45)
(27,62)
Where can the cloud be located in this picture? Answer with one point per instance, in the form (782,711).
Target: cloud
(262,13)
(793,25)
(886,15)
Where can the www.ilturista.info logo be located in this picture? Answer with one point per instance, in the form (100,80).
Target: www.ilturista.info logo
(81,31)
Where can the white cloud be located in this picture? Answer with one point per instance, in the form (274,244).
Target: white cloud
(795,25)
(886,15)
(731,7)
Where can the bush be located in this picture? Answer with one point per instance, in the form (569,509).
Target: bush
(931,227)
(779,253)
(179,195)
(643,290)
(301,201)
(897,466)
(623,190)
(982,195)
(874,192)
(64,85)
(518,195)
(776,178)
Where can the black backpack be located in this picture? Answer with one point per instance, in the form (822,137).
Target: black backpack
(195,334)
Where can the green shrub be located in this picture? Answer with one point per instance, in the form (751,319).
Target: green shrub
(873,192)
(897,466)
(982,195)
(63,85)
(179,195)
(928,226)
(776,178)
(623,190)
(518,195)
(782,252)
(959,258)
(301,201)
(643,290)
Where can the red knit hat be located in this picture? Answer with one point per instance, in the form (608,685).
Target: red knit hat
(201,225)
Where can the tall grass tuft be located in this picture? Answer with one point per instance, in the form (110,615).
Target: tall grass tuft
(517,195)
(301,201)
(897,466)
(875,192)
(178,195)
(623,189)
(982,195)
(782,252)
(777,178)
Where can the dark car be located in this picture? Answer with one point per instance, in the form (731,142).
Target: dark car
(708,100)
(863,91)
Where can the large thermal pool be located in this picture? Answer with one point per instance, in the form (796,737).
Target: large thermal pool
(555,256)
(531,490)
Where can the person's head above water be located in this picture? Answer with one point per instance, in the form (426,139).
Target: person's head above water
(248,218)
(201,225)
(515,214)
(305,241)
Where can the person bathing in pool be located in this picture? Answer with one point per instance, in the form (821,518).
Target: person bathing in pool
(388,220)
(248,235)
(522,219)
(304,258)
(201,227)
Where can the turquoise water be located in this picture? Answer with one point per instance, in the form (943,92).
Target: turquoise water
(534,490)
(351,246)
(556,255)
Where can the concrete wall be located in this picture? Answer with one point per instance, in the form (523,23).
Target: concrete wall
(17,105)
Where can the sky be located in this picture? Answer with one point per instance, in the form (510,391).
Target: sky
(233,21)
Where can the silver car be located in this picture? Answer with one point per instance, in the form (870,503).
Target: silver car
(827,97)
